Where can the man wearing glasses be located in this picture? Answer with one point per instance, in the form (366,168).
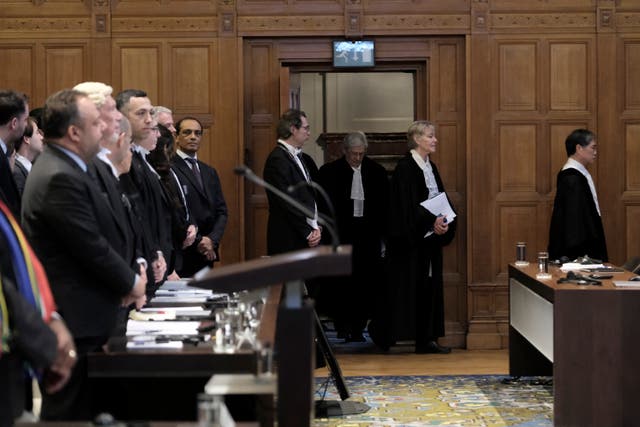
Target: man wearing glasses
(289,229)
(203,193)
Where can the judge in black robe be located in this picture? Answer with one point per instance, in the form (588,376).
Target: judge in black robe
(576,226)
(413,306)
(361,217)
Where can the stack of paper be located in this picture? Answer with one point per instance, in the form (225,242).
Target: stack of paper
(141,327)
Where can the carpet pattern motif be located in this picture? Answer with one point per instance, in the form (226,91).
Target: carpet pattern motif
(464,401)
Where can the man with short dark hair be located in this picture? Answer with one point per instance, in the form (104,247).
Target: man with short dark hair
(142,184)
(288,229)
(576,224)
(72,230)
(14,111)
(28,148)
(203,194)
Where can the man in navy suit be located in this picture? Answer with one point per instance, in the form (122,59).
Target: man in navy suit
(74,233)
(14,111)
(288,229)
(203,193)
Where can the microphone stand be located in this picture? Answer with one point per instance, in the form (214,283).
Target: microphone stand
(329,225)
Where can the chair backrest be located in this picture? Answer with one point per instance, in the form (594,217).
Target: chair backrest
(632,264)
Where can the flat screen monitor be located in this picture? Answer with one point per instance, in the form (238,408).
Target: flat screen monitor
(354,53)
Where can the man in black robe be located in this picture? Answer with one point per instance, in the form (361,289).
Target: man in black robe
(358,188)
(576,225)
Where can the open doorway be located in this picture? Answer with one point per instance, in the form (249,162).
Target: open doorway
(436,65)
(336,103)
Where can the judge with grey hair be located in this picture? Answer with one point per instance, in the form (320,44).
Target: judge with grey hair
(358,189)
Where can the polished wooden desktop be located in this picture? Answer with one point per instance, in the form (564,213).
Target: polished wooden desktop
(586,336)
(159,384)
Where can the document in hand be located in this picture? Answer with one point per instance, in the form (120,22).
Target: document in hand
(439,205)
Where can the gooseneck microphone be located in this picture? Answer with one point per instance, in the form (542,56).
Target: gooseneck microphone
(314,185)
(244,170)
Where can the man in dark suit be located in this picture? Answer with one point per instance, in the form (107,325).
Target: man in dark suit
(359,191)
(73,232)
(203,193)
(288,229)
(142,185)
(28,148)
(14,110)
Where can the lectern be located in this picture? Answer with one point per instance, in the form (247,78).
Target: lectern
(296,356)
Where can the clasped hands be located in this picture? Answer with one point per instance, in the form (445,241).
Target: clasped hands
(440,226)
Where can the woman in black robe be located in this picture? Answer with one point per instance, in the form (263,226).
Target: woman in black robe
(414,307)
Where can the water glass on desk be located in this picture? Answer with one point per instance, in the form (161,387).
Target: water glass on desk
(543,266)
(521,254)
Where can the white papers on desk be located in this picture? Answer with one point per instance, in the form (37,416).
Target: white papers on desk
(191,311)
(439,206)
(627,284)
(184,292)
(575,266)
(141,327)
(186,299)
(134,345)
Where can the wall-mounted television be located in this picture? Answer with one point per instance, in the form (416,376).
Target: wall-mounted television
(359,53)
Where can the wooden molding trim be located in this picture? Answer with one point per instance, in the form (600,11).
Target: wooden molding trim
(627,20)
(289,24)
(538,21)
(417,23)
(62,26)
(185,24)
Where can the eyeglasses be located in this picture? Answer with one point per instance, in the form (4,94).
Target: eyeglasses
(187,132)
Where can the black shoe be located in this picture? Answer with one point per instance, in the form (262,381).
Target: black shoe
(432,347)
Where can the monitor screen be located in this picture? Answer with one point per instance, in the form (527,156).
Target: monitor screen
(354,53)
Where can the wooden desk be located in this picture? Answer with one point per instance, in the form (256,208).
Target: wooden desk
(587,336)
(163,384)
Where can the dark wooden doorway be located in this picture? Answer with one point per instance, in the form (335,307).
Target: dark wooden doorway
(439,67)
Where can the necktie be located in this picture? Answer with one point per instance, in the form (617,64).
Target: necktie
(196,172)
(357,193)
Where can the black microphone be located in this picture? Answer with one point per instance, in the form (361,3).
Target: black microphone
(244,170)
(314,185)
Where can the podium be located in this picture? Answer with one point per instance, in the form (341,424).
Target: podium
(296,356)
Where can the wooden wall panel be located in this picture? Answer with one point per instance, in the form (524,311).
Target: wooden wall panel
(447,154)
(137,66)
(517,157)
(21,58)
(631,73)
(515,225)
(191,79)
(570,69)
(65,66)
(632,220)
(518,76)
(631,170)
(448,88)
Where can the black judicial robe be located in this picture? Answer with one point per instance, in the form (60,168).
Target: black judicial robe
(287,228)
(365,234)
(413,305)
(576,228)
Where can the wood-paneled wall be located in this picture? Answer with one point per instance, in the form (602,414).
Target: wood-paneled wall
(533,71)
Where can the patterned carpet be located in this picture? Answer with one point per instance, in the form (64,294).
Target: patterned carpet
(478,401)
